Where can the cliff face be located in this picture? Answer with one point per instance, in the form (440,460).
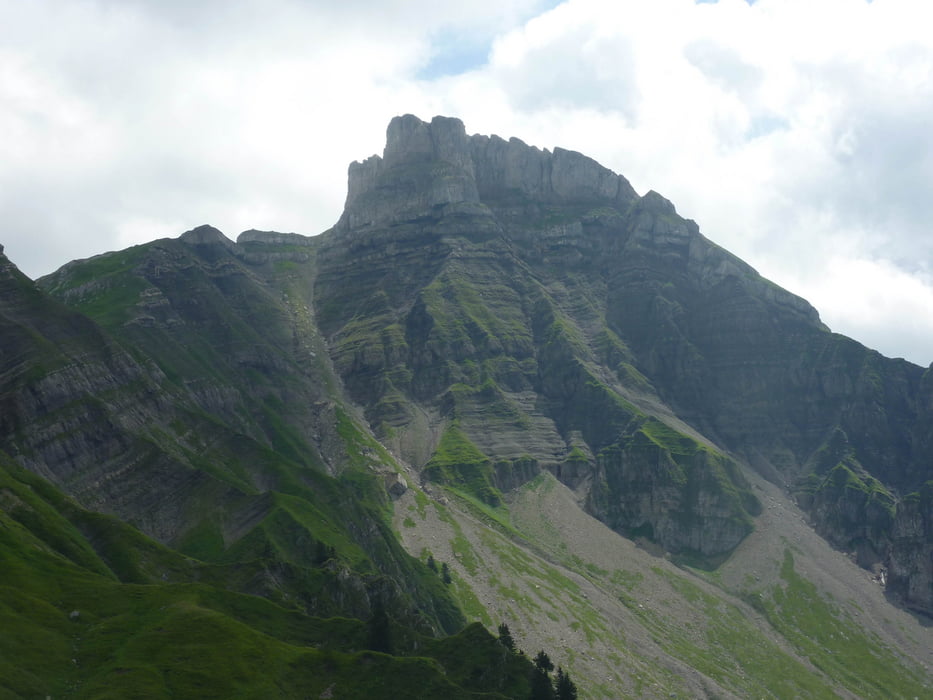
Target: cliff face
(68,410)
(534,301)
(429,170)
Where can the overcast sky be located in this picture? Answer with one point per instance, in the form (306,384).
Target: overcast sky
(797,133)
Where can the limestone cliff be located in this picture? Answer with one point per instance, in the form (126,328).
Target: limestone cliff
(529,296)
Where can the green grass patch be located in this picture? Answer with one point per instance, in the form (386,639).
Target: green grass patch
(836,643)
(71,629)
(723,644)
(464,552)
(459,463)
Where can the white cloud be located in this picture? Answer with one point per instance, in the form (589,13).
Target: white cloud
(878,303)
(796,133)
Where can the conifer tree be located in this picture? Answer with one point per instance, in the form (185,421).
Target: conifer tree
(541,688)
(505,637)
(543,661)
(566,689)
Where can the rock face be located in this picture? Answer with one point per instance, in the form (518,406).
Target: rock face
(427,167)
(910,574)
(543,298)
(52,358)
(563,176)
(205,235)
(485,330)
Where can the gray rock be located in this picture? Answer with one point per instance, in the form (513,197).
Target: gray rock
(205,235)
(274,238)
(507,167)
(910,561)
(431,169)
(395,484)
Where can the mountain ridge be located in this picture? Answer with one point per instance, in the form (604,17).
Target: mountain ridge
(440,170)
(486,324)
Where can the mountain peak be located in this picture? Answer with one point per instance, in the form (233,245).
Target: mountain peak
(424,168)
(204,234)
(427,166)
(657,203)
(410,140)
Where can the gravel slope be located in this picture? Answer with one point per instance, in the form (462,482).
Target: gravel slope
(609,610)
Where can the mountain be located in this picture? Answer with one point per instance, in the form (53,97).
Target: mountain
(238,468)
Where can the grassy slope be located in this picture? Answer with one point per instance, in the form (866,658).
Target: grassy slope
(73,626)
(306,539)
(241,353)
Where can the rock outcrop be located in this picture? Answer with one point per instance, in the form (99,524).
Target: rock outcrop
(429,169)
(205,235)
(910,558)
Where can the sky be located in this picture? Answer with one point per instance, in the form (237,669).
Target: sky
(797,133)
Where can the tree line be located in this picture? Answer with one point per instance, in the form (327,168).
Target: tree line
(543,685)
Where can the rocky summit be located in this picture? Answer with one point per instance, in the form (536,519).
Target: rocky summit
(505,404)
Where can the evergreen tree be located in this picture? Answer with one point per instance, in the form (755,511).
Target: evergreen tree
(541,688)
(566,689)
(445,573)
(543,661)
(432,565)
(505,637)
